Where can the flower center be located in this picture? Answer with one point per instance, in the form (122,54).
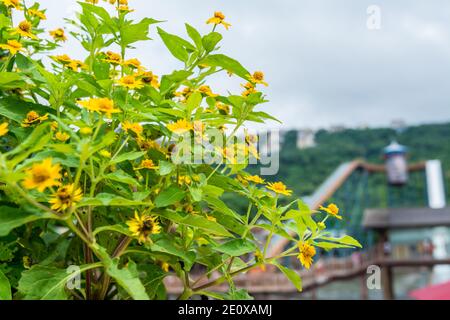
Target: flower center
(25,26)
(40,175)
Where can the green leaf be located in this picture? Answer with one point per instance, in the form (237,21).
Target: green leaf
(5,287)
(108,199)
(16,110)
(241,294)
(169,196)
(48,283)
(129,156)
(122,176)
(167,246)
(346,240)
(196,221)
(127,277)
(193,102)
(11,80)
(176,45)
(220,206)
(131,33)
(166,168)
(11,218)
(195,36)
(291,275)
(236,247)
(152,278)
(229,64)
(330,245)
(115,228)
(173,79)
(211,40)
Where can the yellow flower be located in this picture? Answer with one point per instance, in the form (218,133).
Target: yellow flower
(185,93)
(255,179)
(307,252)
(27,262)
(92,1)
(332,209)
(24,30)
(148,144)
(76,64)
(65,197)
(63,58)
(42,175)
(257,78)
(147,164)
(54,125)
(133,63)
(62,136)
(13,4)
(3,128)
(113,58)
(242,180)
(165,266)
(133,126)
(186,180)
(143,226)
(321,225)
(206,90)
(36,13)
(101,105)
(199,131)
(223,108)
(105,153)
(250,138)
(279,187)
(218,18)
(32,118)
(58,34)
(69,63)
(150,79)
(259,258)
(180,127)
(13,46)
(124,8)
(249,89)
(86,131)
(130,82)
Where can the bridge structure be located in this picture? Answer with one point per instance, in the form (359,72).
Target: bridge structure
(372,209)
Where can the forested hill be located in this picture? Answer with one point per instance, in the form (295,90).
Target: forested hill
(303,170)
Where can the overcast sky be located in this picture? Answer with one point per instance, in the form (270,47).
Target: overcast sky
(324,66)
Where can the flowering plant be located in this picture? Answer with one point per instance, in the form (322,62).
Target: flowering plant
(97,200)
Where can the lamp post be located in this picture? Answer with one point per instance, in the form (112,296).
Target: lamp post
(396,164)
